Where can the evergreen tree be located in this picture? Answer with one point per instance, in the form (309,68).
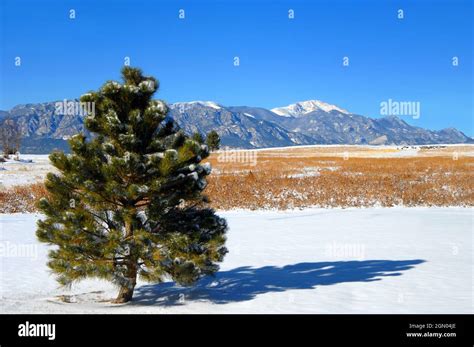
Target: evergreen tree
(213,140)
(198,138)
(128,201)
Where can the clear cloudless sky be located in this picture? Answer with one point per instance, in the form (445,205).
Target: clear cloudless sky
(282,60)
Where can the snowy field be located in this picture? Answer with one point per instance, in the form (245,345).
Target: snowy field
(30,169)
(33,167)
(375,260)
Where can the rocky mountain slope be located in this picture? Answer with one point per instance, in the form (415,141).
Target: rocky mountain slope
(303,123)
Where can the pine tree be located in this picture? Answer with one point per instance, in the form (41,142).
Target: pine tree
(213,140)
(128,202)
(198,137)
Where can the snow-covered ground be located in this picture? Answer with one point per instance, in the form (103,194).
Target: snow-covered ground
(376,260)
(33,167)
(30,169)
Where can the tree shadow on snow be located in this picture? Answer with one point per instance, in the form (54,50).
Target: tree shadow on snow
(244,283)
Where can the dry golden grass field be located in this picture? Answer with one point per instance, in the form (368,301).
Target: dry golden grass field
(343,176)
(323,176)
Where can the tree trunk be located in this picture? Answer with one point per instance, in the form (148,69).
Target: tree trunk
(126,291)
(125,295)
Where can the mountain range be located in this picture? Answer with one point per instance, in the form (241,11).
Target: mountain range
(303,123)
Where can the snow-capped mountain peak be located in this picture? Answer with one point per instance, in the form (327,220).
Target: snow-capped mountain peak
(304,107)
(244,126)
(210,104)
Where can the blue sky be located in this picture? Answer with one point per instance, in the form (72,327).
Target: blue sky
(281,60)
